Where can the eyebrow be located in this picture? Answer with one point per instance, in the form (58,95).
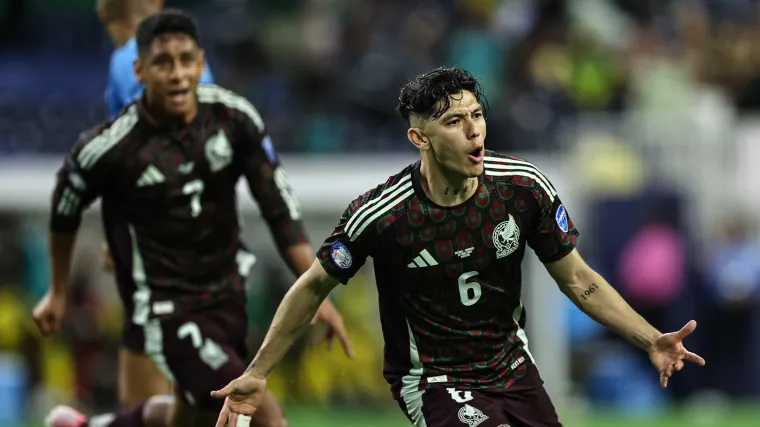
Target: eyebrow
(450,116)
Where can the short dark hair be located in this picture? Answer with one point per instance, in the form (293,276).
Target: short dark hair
(422,95)
(164,22)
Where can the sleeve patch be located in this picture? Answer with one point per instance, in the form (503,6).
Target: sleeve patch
(340,255)
(561,218)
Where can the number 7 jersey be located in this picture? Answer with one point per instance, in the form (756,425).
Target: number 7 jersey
(449,278)
(169,200)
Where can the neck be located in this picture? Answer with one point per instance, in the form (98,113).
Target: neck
(161,119)
(445,189)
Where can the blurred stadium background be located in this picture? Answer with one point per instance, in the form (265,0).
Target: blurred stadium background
(643,113)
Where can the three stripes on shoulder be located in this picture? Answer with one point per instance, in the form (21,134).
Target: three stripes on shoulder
(392,195)
(497,166)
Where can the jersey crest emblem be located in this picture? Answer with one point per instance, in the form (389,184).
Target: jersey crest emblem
(506,237)
(218,151)
(341,255)
(471,416)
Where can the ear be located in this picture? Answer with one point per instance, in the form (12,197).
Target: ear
(202,59)
(418,139)
(137,67)
(102,15)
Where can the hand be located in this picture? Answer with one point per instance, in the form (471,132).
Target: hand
(328,316)
(106,260)
(668,353)
(241,399)
(49,312)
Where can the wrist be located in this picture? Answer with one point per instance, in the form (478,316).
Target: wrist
(645,342)
(256,370)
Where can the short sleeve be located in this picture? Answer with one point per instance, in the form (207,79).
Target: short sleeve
(347,248)
(553,234)
(78,183)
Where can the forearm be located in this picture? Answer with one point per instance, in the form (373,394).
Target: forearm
(292,244)
(61,248)
(600,301)
(299,258)
(291,320)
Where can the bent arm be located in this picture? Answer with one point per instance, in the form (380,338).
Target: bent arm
(292,318)
(590,292)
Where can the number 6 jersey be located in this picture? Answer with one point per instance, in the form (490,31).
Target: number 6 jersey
(169,201)
(449,278)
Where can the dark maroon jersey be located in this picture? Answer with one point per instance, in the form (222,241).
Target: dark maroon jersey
(449,278)
(169,201)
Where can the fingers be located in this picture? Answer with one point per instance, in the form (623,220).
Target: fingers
(46,323)
(663,380)
(223,416)
(225,392)
(678,366)
(233,420)
(694,358)
(687,330)
(345,342)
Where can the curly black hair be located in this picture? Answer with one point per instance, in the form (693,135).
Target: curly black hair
(428,95)
(164,22)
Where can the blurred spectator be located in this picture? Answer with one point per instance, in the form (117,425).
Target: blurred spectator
(652,269)
(734,279)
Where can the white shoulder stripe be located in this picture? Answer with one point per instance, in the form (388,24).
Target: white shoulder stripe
(390,203)
(109,138)
(210,94)
(507,167)
(378,204)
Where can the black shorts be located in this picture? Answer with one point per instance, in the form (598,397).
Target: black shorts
(199,351)
(525,404)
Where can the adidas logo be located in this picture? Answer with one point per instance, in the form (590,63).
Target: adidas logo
(151,176)
(424,259)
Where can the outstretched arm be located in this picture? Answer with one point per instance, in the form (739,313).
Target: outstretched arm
(599,300)
(590,292)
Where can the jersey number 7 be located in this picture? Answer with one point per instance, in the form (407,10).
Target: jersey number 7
(194,189)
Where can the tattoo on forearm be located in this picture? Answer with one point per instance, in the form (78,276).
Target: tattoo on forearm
(590,291)
(250,368)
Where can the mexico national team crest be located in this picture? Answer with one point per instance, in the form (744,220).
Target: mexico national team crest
(471,416)
(340,255)
(506,237)
(218,151)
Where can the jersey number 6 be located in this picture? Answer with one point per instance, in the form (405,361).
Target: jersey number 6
(194,189)
(469,292)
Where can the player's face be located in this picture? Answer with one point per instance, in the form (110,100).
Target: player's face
(457,137)
(171,71)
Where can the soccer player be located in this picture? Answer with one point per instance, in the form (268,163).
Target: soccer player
(166,170)
(138,378)
(121,17)
(448,235)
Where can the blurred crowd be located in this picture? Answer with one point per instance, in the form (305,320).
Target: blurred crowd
(326,73)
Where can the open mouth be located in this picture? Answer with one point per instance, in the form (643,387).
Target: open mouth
(179,95)
(476,155)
